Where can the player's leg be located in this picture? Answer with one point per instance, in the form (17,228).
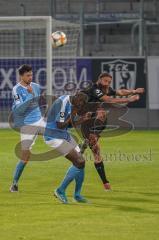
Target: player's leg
(28,137)
(75,172)
(79,162)
(85,126)
(98,162)
(83,146)
(99,126)
(95,125)
(90,132)
(70,151)
(78,187)
(19,169)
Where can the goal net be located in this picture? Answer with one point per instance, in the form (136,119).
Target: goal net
(26,40)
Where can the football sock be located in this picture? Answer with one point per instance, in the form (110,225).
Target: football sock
(78,182)
(70,175)
(18,171)
(101,171)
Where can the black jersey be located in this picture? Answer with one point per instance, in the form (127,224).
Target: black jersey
(95,92)
(95,103)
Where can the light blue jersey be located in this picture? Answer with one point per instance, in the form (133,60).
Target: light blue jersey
(59,112)
(26,105)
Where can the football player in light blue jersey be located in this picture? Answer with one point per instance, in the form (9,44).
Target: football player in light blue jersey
(26,116)
(56,135)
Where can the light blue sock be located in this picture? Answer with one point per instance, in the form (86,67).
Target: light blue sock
(79,181)
(18,171)
(69,177)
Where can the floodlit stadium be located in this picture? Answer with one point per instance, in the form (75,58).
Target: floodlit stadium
(86,70)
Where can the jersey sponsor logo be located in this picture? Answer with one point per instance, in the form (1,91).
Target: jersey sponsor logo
(16,97)
(123,73)
(62,114)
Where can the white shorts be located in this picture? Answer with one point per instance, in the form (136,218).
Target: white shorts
(29,133)
(62,146)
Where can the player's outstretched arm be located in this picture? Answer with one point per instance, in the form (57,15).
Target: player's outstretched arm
(70,121)
(139,90)
(108,99)
(127,92)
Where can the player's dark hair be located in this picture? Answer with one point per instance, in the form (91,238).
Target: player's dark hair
(24,68)
(80,96)
(104,74)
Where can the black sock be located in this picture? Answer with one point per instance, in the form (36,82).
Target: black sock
(101,171)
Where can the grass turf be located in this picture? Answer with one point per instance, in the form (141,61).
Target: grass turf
(129,211)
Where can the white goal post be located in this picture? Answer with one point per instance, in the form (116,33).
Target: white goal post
(23,40)
(27,39)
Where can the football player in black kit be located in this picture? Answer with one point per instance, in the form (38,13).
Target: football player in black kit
(100,93)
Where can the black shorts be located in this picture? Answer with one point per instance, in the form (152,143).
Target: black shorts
(93,126)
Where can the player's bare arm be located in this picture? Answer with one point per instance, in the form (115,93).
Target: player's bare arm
(127,92)
(69,121)
(108,99)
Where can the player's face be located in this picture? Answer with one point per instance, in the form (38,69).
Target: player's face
(27,77)
(78,104)
(106,81)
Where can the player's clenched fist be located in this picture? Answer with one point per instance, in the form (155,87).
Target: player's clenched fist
(139,90)
(29,88)
(87,116)
(134,98)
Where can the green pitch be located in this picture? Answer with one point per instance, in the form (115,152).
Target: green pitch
(129,212)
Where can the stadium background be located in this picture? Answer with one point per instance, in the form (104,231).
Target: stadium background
(122,37)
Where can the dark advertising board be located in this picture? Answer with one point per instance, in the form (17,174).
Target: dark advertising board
(70,75)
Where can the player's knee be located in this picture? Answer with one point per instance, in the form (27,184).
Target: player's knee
(25,161)
(93,139)
(101,115)
(80,163)
(25,155)
(95,149)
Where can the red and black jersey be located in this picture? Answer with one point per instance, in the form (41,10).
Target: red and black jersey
(95,93)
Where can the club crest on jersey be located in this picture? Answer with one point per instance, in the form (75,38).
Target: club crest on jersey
(98,92)
(123,73)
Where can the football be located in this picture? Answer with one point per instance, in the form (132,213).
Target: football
(58,39)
